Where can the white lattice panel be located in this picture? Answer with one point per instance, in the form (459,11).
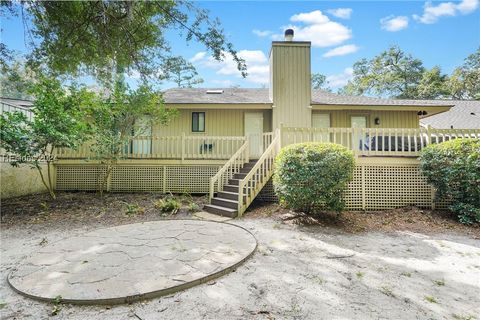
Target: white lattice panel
(189,179)
(78,177)
(353,194)
(395,186)
(137,178)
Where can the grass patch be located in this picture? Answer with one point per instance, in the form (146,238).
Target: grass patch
(439,283)
(387,291)
(430,299)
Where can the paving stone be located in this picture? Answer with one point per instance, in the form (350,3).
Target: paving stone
(132,262)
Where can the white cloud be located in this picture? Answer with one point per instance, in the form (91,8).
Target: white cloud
(394,24)
(262,33)
(198,56)
(342,13)
(340,79)
(341,51)
(431,12)
(314,17)
(317,28)
(257,66)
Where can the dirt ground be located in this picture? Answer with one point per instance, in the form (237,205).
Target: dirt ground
(401,264)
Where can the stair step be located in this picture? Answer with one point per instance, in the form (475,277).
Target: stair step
(228,195)
(245,170)
(239,175)
(233,182)
(221,211)
(230,188)
(226,203)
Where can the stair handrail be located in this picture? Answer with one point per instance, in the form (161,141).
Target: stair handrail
(265,166)
(232,166)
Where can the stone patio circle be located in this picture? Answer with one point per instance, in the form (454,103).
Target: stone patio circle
(132,262)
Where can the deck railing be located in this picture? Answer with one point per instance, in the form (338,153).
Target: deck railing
(377,141)
(173,147)
(233,165)
(258,176)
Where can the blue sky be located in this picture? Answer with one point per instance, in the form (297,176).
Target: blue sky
(440,33)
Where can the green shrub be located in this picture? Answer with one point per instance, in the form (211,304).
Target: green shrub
(193,207)
(133,209)
(311,176)
(453,168)
(168,205)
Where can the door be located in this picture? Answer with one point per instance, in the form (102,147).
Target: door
(321,120)
(254,132)
(360,141)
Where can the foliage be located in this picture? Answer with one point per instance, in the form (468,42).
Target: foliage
(465,80)
(16,79)
(319,81)
(309,176)
(432,85)
(453,168)
(168,205)
(392,73)
(193,207)
(99,37)
(182,72)
(134,209)
(121,117)
(57,123)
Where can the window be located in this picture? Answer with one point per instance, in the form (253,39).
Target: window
(198,121)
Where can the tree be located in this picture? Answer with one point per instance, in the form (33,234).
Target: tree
(57,123)
(432,85)
(182,72)
(120,118)
(465,80)
(100,37)
(319,81)
(16,79)
(392,73)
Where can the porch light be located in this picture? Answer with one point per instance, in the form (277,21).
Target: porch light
(377,121)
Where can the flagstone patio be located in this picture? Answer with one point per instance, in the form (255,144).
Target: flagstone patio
(132,262)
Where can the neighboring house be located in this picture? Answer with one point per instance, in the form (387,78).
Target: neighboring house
(465,114)
(11,105)
(224,141)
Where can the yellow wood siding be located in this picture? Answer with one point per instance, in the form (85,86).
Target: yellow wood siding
(290,84)
(217,123)
(388,119)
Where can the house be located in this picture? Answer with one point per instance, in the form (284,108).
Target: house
(225,140)
(465,114)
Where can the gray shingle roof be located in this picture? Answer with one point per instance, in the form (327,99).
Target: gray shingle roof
(229,95)
(325,97)
(464,115)
(255,95)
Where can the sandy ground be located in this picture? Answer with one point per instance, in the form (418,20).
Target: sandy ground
(298,272)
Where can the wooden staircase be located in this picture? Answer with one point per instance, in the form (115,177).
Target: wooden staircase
(240,180)
(225,203)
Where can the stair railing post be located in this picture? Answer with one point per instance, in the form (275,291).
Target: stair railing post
(212,187)
(240,198)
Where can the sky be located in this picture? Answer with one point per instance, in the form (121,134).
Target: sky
(440,33)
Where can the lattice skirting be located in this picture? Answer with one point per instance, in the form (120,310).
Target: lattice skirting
(374,187)
(379,187)
(131,178)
